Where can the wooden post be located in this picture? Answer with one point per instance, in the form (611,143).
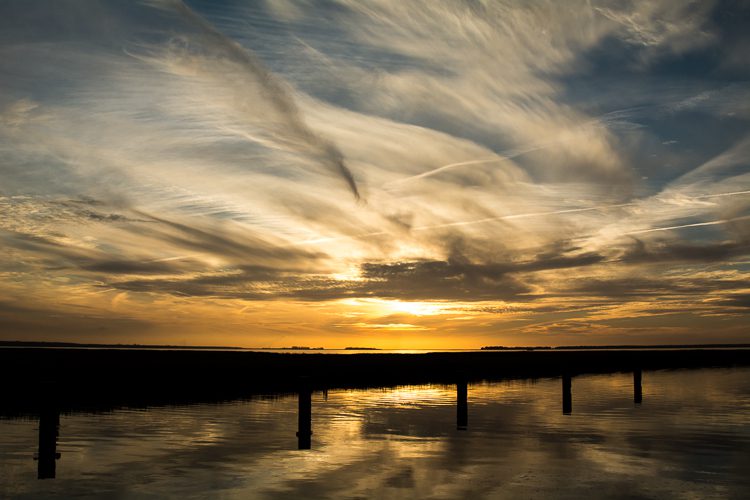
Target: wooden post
(49,426)
(462,405)
(304,416)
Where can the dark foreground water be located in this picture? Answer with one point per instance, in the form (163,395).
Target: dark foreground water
(689,438)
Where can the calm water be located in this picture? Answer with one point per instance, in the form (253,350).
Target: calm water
(690,438)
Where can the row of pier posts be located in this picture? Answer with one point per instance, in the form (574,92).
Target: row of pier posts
(567,390)
(304,431)
(49,417)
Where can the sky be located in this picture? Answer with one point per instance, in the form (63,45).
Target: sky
(380,173)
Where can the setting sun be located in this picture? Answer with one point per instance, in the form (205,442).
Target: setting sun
(413,308)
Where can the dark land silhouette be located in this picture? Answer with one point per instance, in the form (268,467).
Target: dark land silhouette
(100,379)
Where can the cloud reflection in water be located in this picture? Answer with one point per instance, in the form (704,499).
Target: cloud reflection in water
(690,436)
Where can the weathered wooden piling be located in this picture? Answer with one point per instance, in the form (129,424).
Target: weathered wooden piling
(462,405)
(304,415)
(49,427)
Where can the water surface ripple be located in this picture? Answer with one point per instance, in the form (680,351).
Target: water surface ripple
(689,438)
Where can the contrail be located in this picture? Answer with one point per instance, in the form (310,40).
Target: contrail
(533,214)
(510,155)
(513,153)
(719,195)
(445,167)
(696,224)
(521,216)
(464,223)
(568,211)
(274,89)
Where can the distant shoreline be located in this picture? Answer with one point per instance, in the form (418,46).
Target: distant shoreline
(23,343)
(76,345)
(99,379)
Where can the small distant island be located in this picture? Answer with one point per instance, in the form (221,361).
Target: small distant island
(361,348)
(506,348)
(296,348)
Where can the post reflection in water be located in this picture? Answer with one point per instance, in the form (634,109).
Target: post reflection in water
(392,442)
(462,405)
(637,387)
(304,415)
(49,424)
(567,394)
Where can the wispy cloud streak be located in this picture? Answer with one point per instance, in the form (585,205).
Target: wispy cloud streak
(532,171)
(277,92)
